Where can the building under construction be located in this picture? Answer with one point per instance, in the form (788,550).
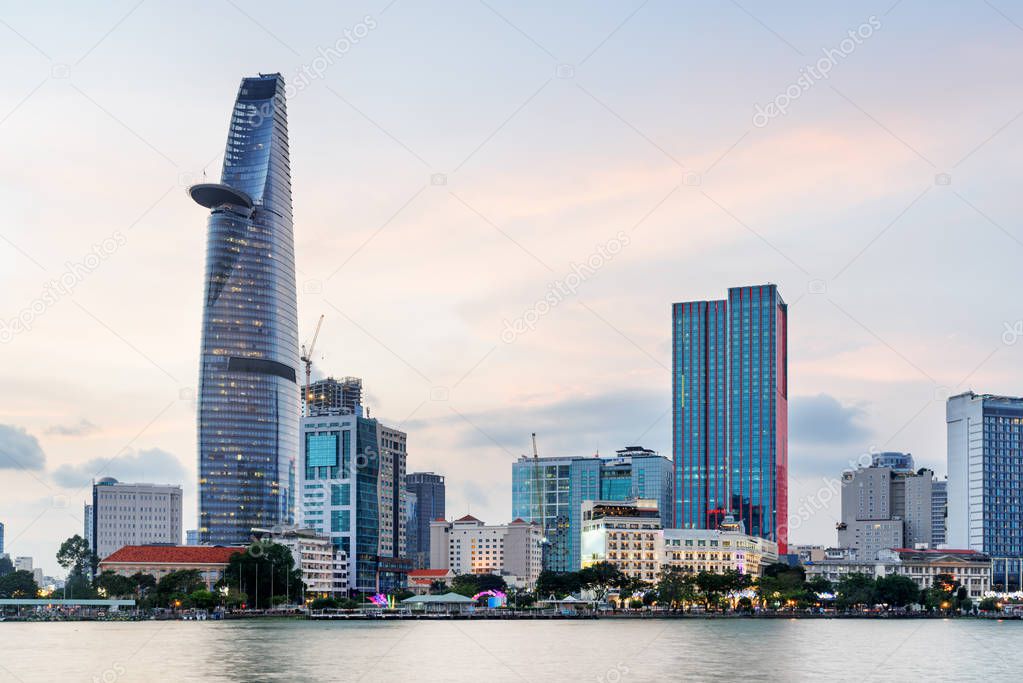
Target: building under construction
(334,396)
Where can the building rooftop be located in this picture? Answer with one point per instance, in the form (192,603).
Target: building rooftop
(174,554)
(423,573)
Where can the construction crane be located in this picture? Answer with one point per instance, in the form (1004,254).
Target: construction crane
(307,358)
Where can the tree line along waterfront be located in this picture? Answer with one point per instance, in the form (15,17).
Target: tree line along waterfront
(269,579)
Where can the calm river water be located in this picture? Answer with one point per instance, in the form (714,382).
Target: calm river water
(611,651)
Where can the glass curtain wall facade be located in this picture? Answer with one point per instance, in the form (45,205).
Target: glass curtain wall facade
(339,490)
(551,492)
(700,413)
(730,411)
(429,491)
(985,478)
(248,396)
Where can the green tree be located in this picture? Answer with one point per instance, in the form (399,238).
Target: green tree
(856,590)
(783,583)
(990,605)
(176,586)
(943,593)
(18,584)
(144,584)
(324,603)
(896,590)
(438,587)
(465,584)
(676,587)
(601,577)
(558,584)
(78,586)
(713,586)
(114,585)
(263,569)
(203,599)
(6,566)
(522,599)
(77,557)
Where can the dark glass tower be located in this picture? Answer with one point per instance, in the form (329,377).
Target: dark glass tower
(430,497)
(248,395)
(730,411)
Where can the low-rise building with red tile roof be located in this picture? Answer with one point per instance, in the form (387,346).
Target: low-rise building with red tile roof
(420,580)
(160,560)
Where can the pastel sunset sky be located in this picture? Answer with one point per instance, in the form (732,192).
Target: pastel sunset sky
(451,162)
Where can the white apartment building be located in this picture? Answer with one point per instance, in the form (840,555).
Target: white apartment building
(716,550)
(134,514)
(324,567)
(626,534)
(469,546)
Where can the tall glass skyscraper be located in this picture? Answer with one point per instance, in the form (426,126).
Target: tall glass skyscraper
(730,411)
(248,395)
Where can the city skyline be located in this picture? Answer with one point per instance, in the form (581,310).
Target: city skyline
(871,213)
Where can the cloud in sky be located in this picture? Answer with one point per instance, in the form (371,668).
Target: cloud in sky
(82,428)
(19,450)
(149,465)
(571,426)
(822,420)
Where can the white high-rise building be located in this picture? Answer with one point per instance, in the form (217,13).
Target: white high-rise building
(469,546)
(985,450)
(134,514)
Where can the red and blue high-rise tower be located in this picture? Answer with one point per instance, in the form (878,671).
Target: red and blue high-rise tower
(730,411)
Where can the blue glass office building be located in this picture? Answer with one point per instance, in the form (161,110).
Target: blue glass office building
(730,411)
(985,480)
(339,499)
(551,491)
(248,395)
